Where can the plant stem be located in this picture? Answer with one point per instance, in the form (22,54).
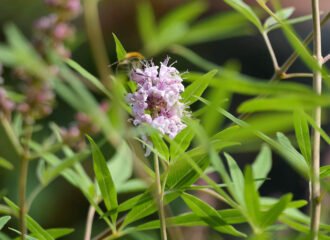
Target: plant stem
(23,181)
(89,223)
(160,198)
(95,37)
(315,176)
(296,75)
(271,51)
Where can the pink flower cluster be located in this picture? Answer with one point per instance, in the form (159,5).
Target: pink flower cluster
(157,98)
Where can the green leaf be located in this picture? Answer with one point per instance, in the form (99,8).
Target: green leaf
(143,206)
(88,76)
(3,221)
(237,178)
(284,103)
(312,122)
(181,142)
(262,165)
(220,26)
(210,215)
(146,22)
(59,232)
(282,14)
(10,148)
(183,14)
(239,83)
(325,171)
(271,216)
(231,216)
(6,164)
(197,87)
(245,10)
(160,146)
(294,157)
(104,179)
(302,135)
(120,50)
(291,21)
(51,173)
(251,196)
(32,225)
(121,165)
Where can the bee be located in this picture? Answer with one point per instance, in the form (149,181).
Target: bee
(130,61)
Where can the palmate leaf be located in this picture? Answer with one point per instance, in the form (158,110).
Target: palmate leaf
(104,179)
(210,215)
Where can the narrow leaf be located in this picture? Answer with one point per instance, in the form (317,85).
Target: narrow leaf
(252,201)
(262,165)
(210,215)
(3,221)
(197,87)
(120,50)
(302,134)
(104,178)
(271,216)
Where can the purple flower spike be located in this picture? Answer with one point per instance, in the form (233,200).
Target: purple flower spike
(157,98)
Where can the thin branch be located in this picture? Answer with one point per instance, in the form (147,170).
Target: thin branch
(89,223)
(296,75)
(271,51)
(160,196)
(23,181)
(95,37)
(326,58)
(315,172)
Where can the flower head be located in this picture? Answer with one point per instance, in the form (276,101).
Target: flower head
(157,98)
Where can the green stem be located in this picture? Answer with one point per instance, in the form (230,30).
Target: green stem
(93,28)
(271,51)
(23,182)
(160,198)
(315,176)
(296,75)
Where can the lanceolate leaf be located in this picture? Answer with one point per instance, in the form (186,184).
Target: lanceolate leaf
(3,221)
(302,134)
(270,217)
(197,87)
(32,225)
(120,50)
(237,178)
(104,178)
(210,215)
(262,165)
(252,201)
(181,142)
(244,9)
